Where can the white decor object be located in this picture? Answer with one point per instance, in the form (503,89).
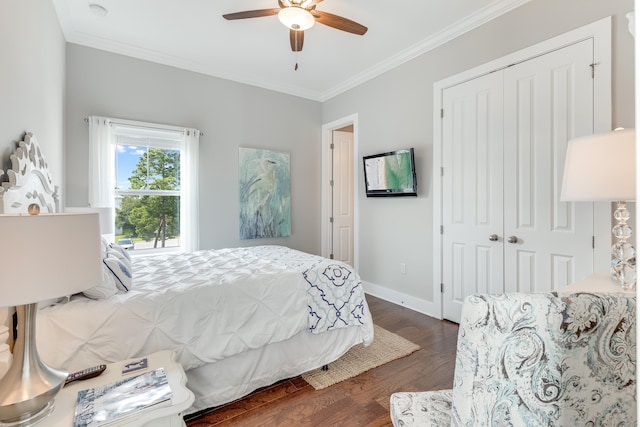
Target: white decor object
(631,16)
(602,168)
(40,249)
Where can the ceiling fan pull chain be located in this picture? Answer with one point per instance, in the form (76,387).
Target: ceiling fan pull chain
(296,66)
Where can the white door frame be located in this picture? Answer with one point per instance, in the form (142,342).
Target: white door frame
(327,131)
(600,31)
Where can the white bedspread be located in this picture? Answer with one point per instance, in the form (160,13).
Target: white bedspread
(206,306)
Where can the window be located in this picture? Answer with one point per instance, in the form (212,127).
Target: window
(148,175)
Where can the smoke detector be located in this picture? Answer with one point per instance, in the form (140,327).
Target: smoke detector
(96,9)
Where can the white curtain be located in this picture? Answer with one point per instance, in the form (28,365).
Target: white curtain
(189,207)
(102,178)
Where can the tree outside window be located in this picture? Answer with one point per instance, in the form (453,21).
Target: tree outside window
(148,195)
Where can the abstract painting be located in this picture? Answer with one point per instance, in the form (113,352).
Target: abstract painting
(265,193)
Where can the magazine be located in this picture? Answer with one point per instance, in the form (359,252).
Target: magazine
(109,403)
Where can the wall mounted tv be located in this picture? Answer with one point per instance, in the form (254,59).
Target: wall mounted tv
(390,174)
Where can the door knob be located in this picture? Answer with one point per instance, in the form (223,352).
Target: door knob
(493,237)
(512,239)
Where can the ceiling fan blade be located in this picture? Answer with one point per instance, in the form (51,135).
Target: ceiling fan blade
(251,14)
(308,4)
(297,39)
(339,23)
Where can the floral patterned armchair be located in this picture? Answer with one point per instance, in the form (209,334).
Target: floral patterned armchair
(536,360)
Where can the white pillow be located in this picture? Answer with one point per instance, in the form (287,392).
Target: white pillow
(114,276)
(120,270)
(104,244)
(115,248)
(105,289)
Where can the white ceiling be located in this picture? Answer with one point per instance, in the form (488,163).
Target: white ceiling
(192,35)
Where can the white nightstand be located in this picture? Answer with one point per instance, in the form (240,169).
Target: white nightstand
(164,416)
(597,282)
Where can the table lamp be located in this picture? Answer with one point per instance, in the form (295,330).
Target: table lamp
(44,257)
(107,225)
(602,167)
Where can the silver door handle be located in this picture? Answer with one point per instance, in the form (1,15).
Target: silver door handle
(512,239)
(493,237)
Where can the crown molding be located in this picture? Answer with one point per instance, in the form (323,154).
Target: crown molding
(457,29)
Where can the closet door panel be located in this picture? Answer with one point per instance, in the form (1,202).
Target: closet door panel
(472,191)
(548,101)
(525,171)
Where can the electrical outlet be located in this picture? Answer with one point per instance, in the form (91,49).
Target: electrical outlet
(403,268)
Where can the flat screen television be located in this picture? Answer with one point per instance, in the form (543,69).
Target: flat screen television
(390,174)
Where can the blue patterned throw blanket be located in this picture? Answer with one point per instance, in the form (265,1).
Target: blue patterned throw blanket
(335,295)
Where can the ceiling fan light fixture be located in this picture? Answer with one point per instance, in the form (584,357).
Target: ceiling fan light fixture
(296,18)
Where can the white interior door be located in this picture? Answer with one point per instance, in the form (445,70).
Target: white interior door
(548,101)
(472,192)
(340,239)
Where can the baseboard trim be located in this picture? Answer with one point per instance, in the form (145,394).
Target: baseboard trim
(416,304)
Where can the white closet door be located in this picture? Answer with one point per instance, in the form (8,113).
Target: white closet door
(472,190)
(548,100)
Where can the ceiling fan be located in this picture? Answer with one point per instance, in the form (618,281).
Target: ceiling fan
(300,15)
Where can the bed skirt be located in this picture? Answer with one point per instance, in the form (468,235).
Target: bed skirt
(234,377)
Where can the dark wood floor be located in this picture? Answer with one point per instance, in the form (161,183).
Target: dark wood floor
(359,401)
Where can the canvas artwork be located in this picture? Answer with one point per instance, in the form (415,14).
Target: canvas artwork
(265,195)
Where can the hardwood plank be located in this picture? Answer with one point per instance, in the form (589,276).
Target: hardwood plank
(362,400)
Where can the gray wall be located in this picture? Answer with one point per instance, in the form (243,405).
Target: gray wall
(231,115)
(32,76)
(395,111)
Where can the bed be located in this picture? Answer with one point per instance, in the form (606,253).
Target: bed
(237,318)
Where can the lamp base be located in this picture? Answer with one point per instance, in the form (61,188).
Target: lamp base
(623,264)
(624,273)
(29,386)
(30,419)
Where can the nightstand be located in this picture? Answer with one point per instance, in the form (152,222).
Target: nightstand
(597,282)
(164,416)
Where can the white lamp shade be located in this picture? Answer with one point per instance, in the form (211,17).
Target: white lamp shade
(107,225)
(601,167)
(48,256)
(296,18)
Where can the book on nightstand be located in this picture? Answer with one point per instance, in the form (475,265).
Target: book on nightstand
(109,403)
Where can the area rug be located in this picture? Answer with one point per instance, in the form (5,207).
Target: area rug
(386,346)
